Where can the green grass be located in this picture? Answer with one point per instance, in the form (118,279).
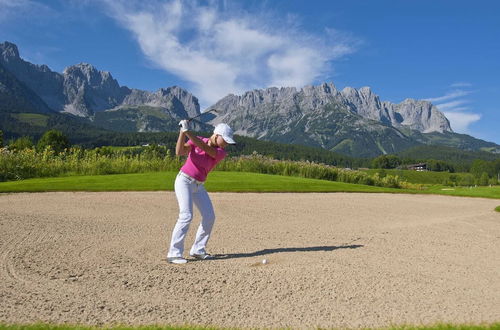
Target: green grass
(217,182)
(40,326)
(424,177)
(497,208)
(479,191)
(223,182)
(33,119)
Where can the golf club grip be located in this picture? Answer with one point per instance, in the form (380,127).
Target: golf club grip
(188,120)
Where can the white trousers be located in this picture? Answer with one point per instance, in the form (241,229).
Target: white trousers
(188,191)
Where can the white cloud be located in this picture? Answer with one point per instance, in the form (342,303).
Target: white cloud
(449,96)
(15,9)
(460,121)
(220,50)
(454,108)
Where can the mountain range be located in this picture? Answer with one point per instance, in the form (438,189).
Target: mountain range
(350,121)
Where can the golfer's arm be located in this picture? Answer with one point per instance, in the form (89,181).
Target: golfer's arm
(181,148)
(200,144)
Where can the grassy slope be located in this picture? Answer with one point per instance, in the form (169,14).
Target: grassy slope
(487,192)
(218,181)
(222,182)
(34,119)
(425,177)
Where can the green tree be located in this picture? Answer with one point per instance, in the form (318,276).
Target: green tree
(480,166)
(55,139)
(496,171)
(386,161)
(484,179)
(439,166)
(467,180)
(21,143)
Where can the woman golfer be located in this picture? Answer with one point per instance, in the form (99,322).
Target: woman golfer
(203,154)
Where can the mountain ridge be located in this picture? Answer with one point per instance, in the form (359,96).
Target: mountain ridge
(83,90)
(351,121)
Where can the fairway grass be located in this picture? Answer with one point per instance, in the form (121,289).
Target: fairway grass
(224,182)
(497,208)
(494,326)
(479,191)
(217,182)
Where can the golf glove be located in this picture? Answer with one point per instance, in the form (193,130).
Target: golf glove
(184,125)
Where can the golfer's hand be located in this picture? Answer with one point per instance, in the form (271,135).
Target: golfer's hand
(184,125)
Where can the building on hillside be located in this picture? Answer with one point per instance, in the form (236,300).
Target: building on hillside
(417,167)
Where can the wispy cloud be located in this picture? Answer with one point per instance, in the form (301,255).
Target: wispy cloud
(449,96)
(13,9)
(460,121)
(453,105)
(220,49)
(460,85)
(454,108)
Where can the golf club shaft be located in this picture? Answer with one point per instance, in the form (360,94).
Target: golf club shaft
(211,110)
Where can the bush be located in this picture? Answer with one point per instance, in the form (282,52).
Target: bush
(21,144)
(386,161)
(29,163)
(54,139)
(483,180)
(467,180)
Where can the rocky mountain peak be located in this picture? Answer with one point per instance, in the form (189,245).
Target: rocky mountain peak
(9,51)
(416,102)
(84,72)
(177,92)
(367,92)
(349,91)
(413,114)
(174,100)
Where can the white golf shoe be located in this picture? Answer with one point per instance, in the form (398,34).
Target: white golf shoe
(202,256)
(176,260)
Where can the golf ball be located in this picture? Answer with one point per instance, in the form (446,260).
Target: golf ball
(264,261)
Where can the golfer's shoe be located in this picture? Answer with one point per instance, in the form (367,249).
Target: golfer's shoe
(202,256)
(176,260)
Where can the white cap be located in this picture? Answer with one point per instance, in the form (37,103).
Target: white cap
(225,131)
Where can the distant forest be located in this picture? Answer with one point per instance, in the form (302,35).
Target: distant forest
(81,133)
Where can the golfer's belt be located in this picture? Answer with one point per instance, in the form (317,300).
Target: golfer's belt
(190,178)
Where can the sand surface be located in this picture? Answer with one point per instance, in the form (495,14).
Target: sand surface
(335,260)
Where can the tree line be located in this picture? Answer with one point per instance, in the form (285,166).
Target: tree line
(482,170)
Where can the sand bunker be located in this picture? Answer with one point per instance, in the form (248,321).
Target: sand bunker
(334,260)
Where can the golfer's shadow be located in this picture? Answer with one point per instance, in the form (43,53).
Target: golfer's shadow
(281,250)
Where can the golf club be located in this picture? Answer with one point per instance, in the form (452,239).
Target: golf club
(211,110)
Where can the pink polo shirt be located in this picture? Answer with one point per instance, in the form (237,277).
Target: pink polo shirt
(199,163)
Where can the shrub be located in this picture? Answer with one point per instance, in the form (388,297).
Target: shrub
(54,139)
(21,143)
(483,180)
(467,180)
(386,161)
(28,163)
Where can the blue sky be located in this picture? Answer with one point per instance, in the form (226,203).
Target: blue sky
(445,51)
